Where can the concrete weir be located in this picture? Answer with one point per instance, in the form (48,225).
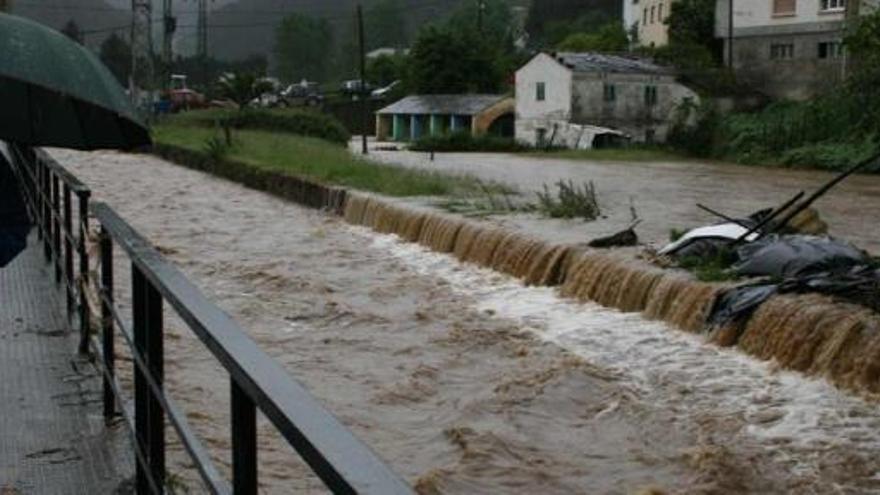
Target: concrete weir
(808,333)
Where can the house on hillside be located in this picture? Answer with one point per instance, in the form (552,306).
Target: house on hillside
(420,115)
(788,48)
(646,19)
(572,99)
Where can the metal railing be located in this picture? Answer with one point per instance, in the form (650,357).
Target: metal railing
(49,190)
(257,382)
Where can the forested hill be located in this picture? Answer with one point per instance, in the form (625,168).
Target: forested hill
(96,18)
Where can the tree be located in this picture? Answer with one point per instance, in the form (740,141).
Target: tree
(862,41)
(385,25)
(609,38)
(302,45)
(72,31)
(692,42)
(116,55)
(242,87)
(443,61)
(385,69)
(551,21)
(4,6)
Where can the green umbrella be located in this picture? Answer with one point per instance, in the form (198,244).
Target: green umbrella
(54,92)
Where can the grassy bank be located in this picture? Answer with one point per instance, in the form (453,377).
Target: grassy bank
(317,160)
(285,121)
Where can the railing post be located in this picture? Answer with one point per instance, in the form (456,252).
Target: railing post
(56,228)
(149,417)
(68,249)
(107,323)
(141,394)
(84,317)
(156,361)
(244,442)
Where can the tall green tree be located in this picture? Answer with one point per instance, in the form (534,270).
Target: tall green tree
(385,25)
(609,38)
(445,61)
(551,21)
(302,47)
(116,55)
(692,42)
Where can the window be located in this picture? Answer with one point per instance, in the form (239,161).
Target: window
(645,16)
(652,14)
(650,136)
(540,136)
(650,95)
(541,91)
(784,7)
(779,51)
(610,93)
(832,5)
(830,49)
(660,12)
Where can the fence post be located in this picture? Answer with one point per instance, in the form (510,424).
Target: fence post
(84,317)
(149,417)
(107,323)
(45,207)
(244,442)
(141,394)
(68,249)
(56,228)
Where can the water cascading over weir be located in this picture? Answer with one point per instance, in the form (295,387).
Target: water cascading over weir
(808,333)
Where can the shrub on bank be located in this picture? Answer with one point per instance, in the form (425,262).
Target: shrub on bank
(298,122)
(464,141)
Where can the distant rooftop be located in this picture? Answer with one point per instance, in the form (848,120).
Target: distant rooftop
(600,62)
(443,104)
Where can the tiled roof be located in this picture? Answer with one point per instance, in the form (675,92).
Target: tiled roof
(600,62)
(443,104)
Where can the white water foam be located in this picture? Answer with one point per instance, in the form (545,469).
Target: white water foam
(663,363)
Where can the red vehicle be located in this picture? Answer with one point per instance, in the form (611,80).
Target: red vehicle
(186,99)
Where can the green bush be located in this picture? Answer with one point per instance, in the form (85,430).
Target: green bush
(464,141)
(570,201)
(298,122)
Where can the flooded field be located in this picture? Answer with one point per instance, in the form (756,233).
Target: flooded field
(664,193)
(464,380)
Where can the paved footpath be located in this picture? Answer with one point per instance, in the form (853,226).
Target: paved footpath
(52,434)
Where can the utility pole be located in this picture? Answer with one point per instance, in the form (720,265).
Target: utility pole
(141,48)
(365,123)
(729,34)
(169,27)
(202,35)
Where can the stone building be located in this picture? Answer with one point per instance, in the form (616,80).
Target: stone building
(568,94)
(420,115)
(788,48)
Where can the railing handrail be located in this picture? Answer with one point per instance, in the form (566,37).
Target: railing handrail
(75,184)
(344,463)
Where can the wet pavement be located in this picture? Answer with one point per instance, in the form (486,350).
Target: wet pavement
(53,439)
(464,380)
(664,194)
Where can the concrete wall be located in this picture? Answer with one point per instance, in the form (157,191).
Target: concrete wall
(756,28)
(629,112)
(532,115)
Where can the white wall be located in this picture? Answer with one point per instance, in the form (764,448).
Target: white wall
(531,114)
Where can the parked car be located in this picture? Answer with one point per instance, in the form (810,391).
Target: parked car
(355,87)
(304,93)
(384,93)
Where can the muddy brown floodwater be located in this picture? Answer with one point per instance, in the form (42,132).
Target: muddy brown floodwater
(665,193)
(464,380)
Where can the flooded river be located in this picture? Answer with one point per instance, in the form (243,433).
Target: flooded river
(665,193)
(464,380)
